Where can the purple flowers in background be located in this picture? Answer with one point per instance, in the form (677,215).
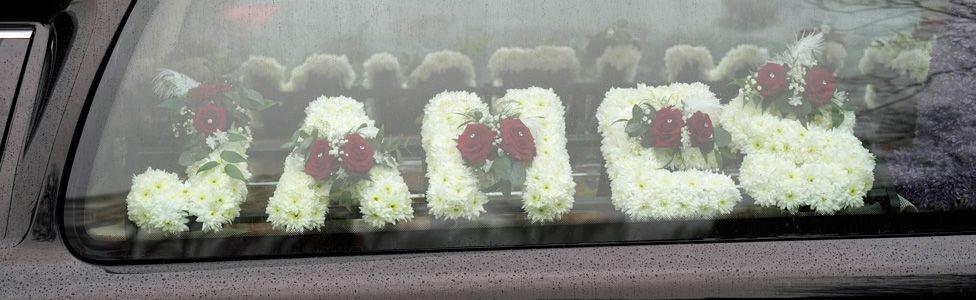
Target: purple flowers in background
(938,171)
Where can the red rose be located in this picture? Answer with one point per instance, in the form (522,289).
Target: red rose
(210,118)
(819,86)
(665,130)
(700,129)
(771,80)
(357,155)
(475,143)
(208,90)
(319,163)
(517,141)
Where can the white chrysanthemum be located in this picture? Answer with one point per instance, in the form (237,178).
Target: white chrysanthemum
(385,198)
(899,53)
(157,200)
(788,165)
(453,188)
(686,60)
(332,66)
(300,204)
(741,58)
(378,63)
(641,187)
(261,71)
(620,58)
(171,84)
(549,185)
(441,61)
(335,116)
(550,59)
(912,63)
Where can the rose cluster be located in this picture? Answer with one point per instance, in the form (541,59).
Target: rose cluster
(477,142)
(656,164)
(796,85)
(332,153)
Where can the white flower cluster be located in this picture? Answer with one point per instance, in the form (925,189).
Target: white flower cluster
(550,59)
(641,185)
(262,71)
(789,165)
(741,58)
(549,185)
(441,61)
(679,58)
(300,204)
(159,200)
(334,66)
(900,53)
(377,63)
(622,58)
(453,191)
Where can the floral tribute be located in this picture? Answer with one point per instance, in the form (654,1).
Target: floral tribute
(338,153)
(213,124)
(472,151)
(663,150)
(796,131)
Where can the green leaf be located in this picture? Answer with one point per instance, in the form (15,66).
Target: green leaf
(636,113)
(804,109)
(634,128)
(848,106)
(836,118)
(518,174)
(236,137)
(232,157)
(172,103)
(191,156)
(721,137)
(234,172)
(784,106)
(207,166)
(478,115)
(502,167)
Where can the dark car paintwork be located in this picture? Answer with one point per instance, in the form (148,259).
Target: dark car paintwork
(35,262)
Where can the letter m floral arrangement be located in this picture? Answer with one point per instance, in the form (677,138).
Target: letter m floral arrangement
(796,131)
(338,153)
(472,151)
(664,153)
(213,122)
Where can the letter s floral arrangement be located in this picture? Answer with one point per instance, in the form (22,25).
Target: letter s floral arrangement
(338,153)
(471,152)
(796,131)
(663,152)
(214,127)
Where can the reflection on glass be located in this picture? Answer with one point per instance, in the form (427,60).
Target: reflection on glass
(405,125)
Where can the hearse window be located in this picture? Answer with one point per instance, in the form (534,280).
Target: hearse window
(226,129)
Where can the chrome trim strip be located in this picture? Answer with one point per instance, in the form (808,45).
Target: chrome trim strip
(16,33)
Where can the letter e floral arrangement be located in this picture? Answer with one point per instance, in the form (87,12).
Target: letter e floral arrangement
(796,131)
(338,153)
(213,124)
(664,152)
(518,145)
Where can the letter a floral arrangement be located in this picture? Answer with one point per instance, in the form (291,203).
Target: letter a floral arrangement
(796,131)
(520,144)
(338,153)
(663,152)
(213,123)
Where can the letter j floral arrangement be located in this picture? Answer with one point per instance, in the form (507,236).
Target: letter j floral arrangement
(213,123)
